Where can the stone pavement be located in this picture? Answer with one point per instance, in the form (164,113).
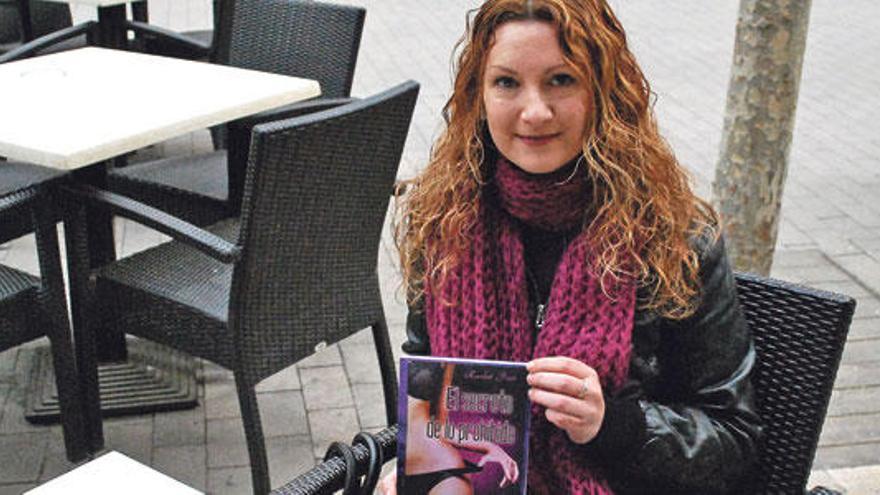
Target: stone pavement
(829,238)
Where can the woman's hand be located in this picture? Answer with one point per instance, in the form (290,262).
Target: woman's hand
(572,394)
(388,484)
(508,465)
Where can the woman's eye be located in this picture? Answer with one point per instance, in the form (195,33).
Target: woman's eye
(505,82)
(562,80)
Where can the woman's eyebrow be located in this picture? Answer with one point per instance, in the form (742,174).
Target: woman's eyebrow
(503,68)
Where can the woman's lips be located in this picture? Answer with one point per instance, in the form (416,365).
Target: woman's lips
(537,140)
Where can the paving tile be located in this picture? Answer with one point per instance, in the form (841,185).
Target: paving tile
(7,364)
(329,425)
(226,443)
(362,364)
(221,400)
(15,489)
(131,437)
(798,259)
(867,307)
(289,457)
(370,404)
(325,387)
(854,401)
(55,461)
(864,480)
(21,455)
(13,420)
(286,379)
(863,268)
(229,481)
(179,428)
(861,351)
(858,375)
(864,328)
(187,464)
(846,456)
(283,413)
(845,430)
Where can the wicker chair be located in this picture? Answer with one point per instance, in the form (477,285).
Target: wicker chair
(293,37)
(190,45)
(295,272)
(22,21)
(31,307)
(799,336)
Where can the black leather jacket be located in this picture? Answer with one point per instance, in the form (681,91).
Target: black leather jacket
(685,421)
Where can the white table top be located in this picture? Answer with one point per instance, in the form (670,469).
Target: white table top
(94,3)
(75,108)
(113,473)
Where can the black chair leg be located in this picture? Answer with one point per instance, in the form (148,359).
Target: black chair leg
(69,397)
(386,366)
(253,432)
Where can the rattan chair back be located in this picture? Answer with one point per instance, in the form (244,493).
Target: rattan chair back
(48,17)
(799,335)
(302,38)
(315,201)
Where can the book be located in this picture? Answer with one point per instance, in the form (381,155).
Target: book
(463,423)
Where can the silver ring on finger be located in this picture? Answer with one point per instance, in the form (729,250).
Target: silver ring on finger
(585,387)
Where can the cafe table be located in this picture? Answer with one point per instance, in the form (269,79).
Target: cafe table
(74,111)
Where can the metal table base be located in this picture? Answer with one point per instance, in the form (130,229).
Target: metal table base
(153,379)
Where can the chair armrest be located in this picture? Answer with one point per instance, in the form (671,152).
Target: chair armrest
(31,48)
(330,474)
(289,111)
(172,38)
(187,233)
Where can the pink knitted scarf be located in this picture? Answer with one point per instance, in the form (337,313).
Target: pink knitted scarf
(489,317)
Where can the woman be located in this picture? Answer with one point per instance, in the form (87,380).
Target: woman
(554,225)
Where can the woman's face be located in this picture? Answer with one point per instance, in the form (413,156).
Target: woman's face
(535,105)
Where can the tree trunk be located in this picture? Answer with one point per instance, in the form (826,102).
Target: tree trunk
(758,122)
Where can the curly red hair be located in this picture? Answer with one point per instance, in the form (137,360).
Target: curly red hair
(644,215)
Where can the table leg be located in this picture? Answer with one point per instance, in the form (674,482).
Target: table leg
(111,27)
(111,343)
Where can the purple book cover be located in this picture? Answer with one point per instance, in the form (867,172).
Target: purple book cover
(464,426)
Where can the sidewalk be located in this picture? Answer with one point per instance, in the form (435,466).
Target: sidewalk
(829,238)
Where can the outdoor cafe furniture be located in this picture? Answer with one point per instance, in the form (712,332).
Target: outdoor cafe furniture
(111,474)
(34,307)
(305,39)
(112,28)
(191,45)
(295,272)
(22,21)
(73,111)
(799,335)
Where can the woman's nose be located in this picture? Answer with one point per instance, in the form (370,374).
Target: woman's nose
(536,109)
